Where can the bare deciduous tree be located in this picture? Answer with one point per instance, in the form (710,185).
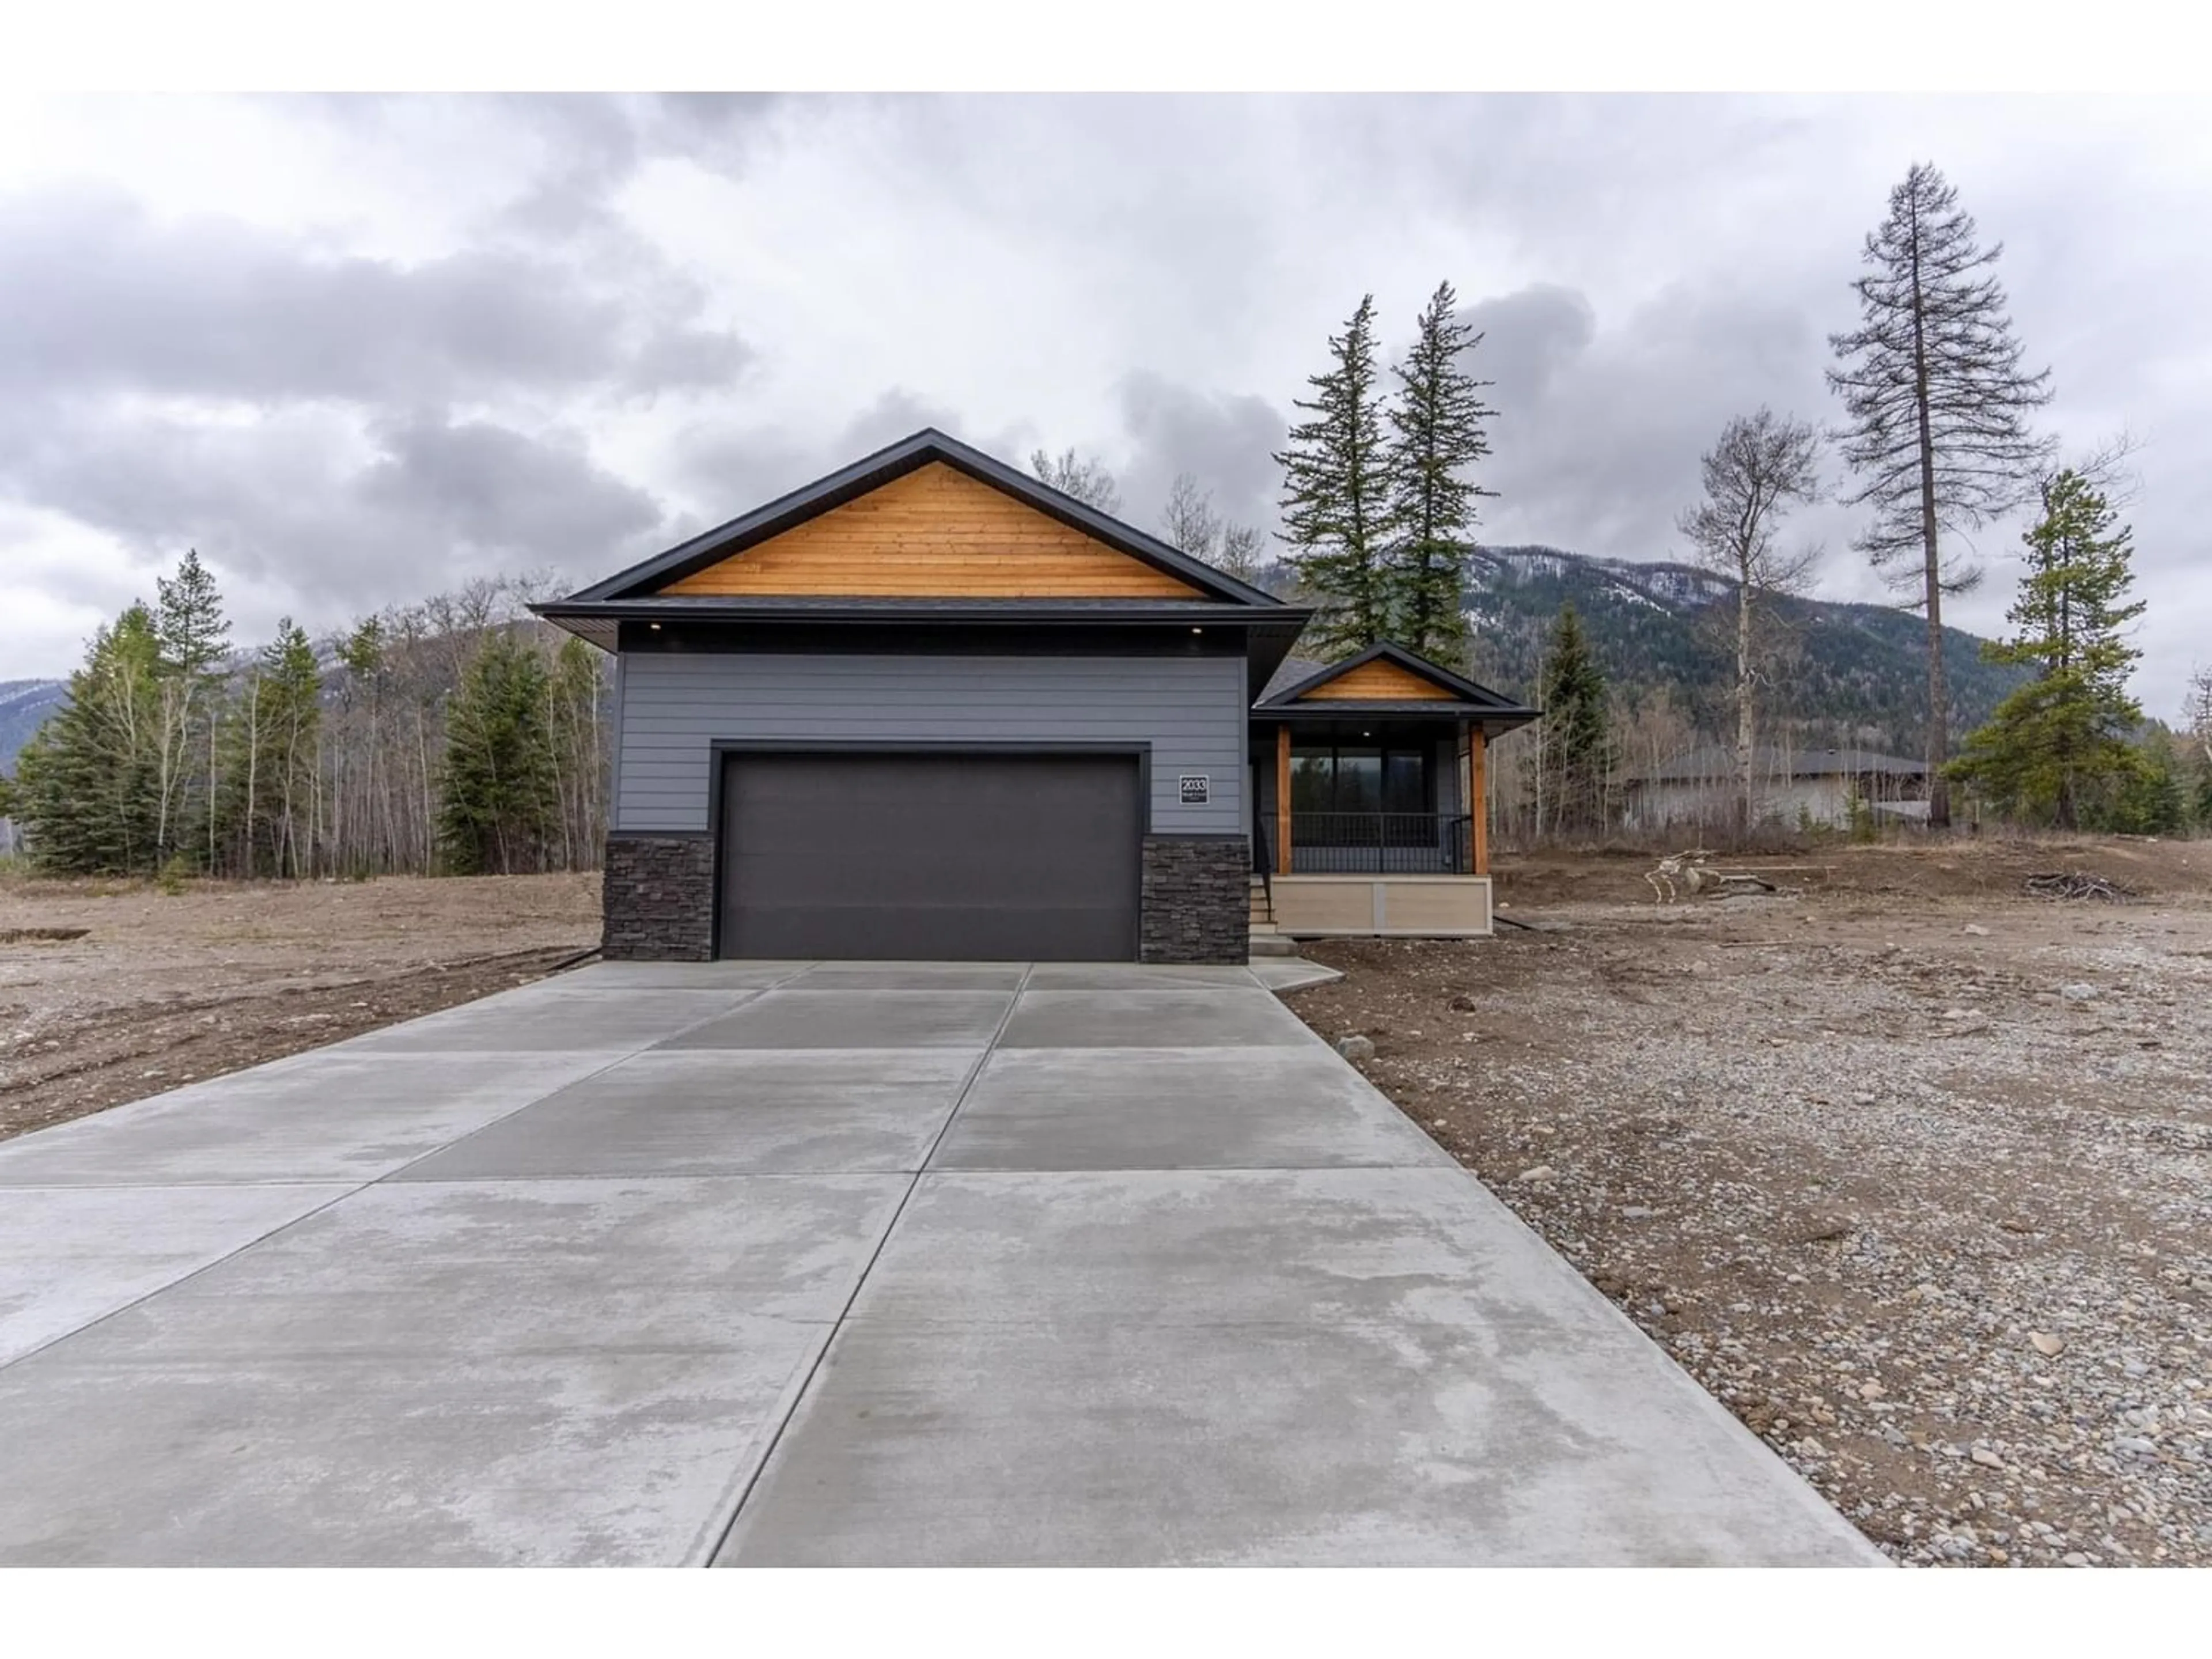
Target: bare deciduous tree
(1084,477)
(1938,410)
(2197,711)
(1764,463)
(1189,519)
(1193,527)
(1239,552)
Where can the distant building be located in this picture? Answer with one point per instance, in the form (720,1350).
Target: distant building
(1814,787)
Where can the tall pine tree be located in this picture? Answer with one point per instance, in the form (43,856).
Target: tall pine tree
(1336,494)
(1938,404)
(1437,433)
(188,620)
(1577,737)
(87,783)
(500,797)
(2059,744)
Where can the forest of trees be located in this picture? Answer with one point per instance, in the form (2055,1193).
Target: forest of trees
(457,735)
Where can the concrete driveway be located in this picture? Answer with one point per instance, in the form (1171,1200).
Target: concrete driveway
(813,1263)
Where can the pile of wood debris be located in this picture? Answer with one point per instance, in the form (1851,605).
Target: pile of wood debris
(2079,884)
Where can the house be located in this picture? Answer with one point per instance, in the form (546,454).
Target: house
(1816,786)
(929,708)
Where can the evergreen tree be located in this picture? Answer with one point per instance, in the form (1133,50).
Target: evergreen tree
(1577,737)
(87,782)
(1336,494)
(361,808)
(500,797)
(1437,433)
(1938,407)
(2197,712)
(2060,743)
(292,709)
(2153,798)
(188,620)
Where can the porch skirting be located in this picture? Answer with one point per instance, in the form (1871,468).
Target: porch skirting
(1382,906)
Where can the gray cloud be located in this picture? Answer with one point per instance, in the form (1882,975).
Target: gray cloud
(102,299)
(725,470)
(1227,441)
(595,145)
(494,493)
(1528,338)
(1599,428)
(304,511)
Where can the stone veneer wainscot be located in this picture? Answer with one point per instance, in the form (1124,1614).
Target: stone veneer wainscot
(1197,902)
(658,899)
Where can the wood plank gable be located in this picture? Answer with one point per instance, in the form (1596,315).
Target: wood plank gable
(934,534)
(1380,681)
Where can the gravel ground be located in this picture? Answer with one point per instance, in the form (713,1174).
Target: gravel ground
(1913,1172)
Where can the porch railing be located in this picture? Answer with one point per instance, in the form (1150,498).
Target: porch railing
(1380,843)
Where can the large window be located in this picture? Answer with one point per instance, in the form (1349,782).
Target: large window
(1360,778)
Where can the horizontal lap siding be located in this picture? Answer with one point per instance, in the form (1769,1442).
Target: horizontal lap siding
(938,532)
(674,706)
(1377,682)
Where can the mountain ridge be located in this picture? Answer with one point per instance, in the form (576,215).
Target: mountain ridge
(1852,675)
(24,706)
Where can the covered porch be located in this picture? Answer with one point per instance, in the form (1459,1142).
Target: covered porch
(1368,784)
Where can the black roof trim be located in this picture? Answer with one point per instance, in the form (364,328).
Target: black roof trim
(1482,714)
(894,461)
(1465,691)
(804,607)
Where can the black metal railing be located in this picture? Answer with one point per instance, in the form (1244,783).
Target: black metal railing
(1380,843)
(1263,861)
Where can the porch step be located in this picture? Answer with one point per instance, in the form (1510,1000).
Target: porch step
(1262,911)
(1273,944)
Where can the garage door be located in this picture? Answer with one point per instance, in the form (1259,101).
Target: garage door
(969,857)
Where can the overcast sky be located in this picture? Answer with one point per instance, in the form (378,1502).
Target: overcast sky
(357,350)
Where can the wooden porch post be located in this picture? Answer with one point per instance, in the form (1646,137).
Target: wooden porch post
(1477,816)
(1282,800)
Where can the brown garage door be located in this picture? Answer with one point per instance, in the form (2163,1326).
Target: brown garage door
(930,856)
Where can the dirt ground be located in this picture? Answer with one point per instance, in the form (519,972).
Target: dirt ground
(110,991)
(1911,1170)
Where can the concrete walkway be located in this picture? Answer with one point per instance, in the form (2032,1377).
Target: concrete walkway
(818,1263)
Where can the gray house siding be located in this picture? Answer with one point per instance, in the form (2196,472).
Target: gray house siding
(670,706)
